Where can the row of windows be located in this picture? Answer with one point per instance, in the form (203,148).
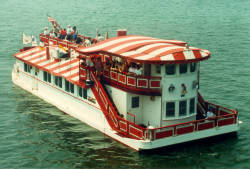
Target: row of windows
(170,108)
(170,69)
(69,87)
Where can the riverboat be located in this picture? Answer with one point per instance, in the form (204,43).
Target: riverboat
(144,94)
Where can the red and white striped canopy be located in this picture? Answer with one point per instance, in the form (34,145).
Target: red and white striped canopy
(69,69)
(148,50)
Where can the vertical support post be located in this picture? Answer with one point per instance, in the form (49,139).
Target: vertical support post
(47,52)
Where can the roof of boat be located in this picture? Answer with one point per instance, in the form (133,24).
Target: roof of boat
(67,68)
(148,50)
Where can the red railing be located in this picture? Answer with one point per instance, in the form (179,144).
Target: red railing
(116,122)
(132,82)
(57,41)
(224,116)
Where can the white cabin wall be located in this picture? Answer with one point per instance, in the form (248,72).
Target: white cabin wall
(119,98)
(151,108)
(137,112)
(188,78)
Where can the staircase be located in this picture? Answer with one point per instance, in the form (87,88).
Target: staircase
(120,125)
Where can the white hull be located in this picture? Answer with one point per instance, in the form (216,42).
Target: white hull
(93,116)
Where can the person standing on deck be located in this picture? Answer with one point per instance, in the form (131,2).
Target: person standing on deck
(69,30)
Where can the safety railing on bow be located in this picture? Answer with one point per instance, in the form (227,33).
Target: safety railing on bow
(48,40)
(224,116)
(115,121)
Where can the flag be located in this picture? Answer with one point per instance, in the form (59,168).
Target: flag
(26,39)
(51,19)
(53,22)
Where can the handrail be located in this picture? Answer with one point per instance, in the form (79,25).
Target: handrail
(132,81)
(58,41)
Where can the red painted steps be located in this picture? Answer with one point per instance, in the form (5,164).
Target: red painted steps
(117,123)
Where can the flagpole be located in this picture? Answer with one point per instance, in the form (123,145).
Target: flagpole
(22,41)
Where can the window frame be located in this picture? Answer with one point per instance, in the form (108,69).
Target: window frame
(173,66)
(172,109)
(67,88)
(181,108)
(158,69)
(194,67)
(192,106)
(181,68)
(135,102)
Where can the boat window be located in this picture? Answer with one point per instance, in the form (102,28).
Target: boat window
(135,102)
(192,106)
(182,108)
(71,87)
(183,68)
(158,69)
(58,81)
(27,68)
(192,67)
(46,76)
(170,69)
(66,86)
(49,77)
(82,92)
(170,109)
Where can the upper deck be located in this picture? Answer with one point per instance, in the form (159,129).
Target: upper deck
(124,50)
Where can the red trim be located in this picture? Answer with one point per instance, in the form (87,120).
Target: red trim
(184,130)
(155,83)
(205,125)
(142,83)
(164,134)
(122,78)
(113,75)
(131,81)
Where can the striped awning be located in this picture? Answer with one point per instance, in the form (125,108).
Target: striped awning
(147,49)
(67,68)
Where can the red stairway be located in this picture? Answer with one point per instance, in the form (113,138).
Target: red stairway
(117,123)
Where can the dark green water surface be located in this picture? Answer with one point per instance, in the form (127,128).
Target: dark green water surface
(34,134)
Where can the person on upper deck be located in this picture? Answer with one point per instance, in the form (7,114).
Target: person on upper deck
(75,33)
(63,33)
(46,31)
(138,70)
(69,30)
(99,38)
(131,68)
(87,42)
